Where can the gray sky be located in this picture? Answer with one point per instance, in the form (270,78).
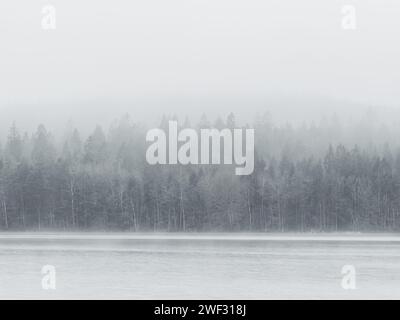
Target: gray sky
(189,56)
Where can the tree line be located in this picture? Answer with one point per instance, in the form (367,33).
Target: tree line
(304,180)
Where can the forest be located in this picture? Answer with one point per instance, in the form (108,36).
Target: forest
(312,177)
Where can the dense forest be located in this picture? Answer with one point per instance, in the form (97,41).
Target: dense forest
(311,177)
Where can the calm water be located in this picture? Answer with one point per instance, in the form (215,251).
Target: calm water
(140,266)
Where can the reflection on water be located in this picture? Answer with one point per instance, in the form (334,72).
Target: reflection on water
(123,266)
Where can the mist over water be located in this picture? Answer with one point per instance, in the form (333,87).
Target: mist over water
(83,215)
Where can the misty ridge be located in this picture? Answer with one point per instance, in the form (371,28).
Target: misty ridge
(324,176)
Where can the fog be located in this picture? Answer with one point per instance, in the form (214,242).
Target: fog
(187,57)
(80,199)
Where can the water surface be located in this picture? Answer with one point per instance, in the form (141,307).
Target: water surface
(198,266)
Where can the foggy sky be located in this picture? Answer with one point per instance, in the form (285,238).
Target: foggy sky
(189,56)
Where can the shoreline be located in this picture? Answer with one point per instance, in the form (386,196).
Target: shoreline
(70,235)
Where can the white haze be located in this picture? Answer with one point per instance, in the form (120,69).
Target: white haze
(192,56)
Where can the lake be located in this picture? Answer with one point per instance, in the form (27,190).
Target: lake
(199,266)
